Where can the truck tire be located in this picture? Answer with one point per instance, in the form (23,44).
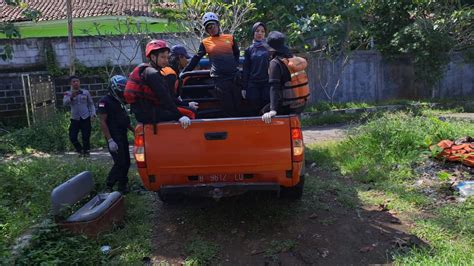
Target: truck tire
(294,193)
(169,198)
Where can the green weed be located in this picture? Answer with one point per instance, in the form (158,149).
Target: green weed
(330,119)
(382,155)
(50,135)
(201,252)
(24,202)
(277,247)
(387,147)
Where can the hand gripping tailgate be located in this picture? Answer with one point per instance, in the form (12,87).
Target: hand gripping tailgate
(237,145)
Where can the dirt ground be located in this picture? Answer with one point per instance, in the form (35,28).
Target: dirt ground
(328,226)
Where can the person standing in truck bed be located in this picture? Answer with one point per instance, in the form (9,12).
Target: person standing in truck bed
(223,54)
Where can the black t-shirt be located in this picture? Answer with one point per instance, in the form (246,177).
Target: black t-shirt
(278,75)
(117,117)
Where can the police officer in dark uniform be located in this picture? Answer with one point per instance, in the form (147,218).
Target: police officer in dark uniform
(114,123)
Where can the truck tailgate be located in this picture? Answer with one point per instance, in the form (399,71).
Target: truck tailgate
(235,145)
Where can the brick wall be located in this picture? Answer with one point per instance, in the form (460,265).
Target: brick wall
(12,102)
(11,98)
(95,85)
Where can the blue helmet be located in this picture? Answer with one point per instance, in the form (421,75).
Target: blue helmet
(117,86)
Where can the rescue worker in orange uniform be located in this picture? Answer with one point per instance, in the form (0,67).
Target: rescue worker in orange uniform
(223,54)
(289,89)
(148,88)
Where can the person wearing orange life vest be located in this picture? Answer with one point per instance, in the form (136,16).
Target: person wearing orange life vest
(223,54)
(187,109)
(289,89)
(148,89)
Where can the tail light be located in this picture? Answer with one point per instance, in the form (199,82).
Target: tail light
(139,150)
(297,144)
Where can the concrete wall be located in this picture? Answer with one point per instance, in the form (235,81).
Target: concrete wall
(369,77)
(90,51)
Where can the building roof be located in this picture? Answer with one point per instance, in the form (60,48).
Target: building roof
(56,9)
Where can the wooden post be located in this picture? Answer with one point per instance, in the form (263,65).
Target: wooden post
(72,52)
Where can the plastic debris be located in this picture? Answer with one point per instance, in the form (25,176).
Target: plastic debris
(466,188)
(105,249)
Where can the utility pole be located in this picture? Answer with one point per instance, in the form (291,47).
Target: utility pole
(72,52)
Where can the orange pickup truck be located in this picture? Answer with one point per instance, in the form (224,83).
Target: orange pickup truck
(219,157)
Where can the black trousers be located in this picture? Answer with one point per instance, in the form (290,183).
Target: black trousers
(230,96)
(258,94)
(119,172)
(149,114)
(84,126)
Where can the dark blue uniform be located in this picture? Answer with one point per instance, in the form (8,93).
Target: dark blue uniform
(117,122)
(255,76)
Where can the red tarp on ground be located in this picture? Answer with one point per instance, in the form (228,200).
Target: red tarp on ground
(461,150)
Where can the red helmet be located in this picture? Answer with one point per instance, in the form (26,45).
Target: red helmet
(154,45)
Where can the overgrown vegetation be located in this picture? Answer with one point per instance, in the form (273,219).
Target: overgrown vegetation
(382,156)
(50,135)
(428,31)
(24,202)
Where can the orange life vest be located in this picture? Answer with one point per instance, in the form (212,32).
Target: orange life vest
(169,71)
(296,91)
(184,111)
(136,89)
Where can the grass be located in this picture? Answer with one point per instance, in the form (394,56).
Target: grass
(24,202)
(381,156)
(47,136)
(86,27)
(328,119)
(201,252)
(278,246)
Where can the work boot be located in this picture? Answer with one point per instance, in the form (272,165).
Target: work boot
(86,154)
(123,188)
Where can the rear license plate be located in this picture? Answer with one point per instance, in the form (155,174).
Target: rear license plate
(221,178)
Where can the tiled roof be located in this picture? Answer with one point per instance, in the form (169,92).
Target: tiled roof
(56,9)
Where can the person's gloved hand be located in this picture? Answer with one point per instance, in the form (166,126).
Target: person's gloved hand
(113,147)
(194,105)
(267,117)
(185,121)
(244,94)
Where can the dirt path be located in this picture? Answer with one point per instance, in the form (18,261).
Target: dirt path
(328,226)
(325,133)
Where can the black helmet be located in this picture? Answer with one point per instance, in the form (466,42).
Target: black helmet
(117,86)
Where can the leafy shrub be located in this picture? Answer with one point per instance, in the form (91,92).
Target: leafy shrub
(51,135)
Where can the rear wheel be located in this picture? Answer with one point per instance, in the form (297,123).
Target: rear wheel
(295,192)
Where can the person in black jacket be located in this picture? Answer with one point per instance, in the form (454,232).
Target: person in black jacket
(114,123)
(256,88)
(148,88)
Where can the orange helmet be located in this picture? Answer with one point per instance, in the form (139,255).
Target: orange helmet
(154,45)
